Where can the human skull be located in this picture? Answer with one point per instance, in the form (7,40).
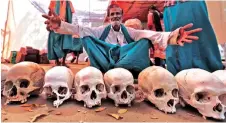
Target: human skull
(89,86)
(221,74)
(23,79)
(119,85)
(160,88)
(58,84)
(4,70)
(202,90)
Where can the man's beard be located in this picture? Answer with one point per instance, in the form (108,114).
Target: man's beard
(115,23)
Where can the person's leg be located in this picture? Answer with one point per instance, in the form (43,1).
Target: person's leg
(55,51)
(57,62)
(99,53)
(77,57)
(73,59)
(157,61)
(135,57)
(64,58)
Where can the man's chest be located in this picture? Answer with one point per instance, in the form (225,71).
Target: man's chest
(116,38)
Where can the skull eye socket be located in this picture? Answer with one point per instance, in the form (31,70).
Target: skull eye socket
(202,97)
(116,89)
(62,90)
(24,83)
(222,98)
(85,89)
(100,87)
(8,85)
(175,93)
(159,92)
(130,89)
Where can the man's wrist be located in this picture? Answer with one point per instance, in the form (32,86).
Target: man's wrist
(174,37)
(59,24)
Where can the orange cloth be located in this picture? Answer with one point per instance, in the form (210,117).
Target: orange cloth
(159,52)
(151,25)
(63,6)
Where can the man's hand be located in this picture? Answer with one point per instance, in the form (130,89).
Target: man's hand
(53,20)
(185,36)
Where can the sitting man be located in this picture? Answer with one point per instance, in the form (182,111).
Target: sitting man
(115,45)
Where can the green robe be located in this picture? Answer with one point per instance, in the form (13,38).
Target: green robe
(134,56)
(59,44)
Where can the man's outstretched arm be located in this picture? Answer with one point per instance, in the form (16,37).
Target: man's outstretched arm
(55,24)
(176,37)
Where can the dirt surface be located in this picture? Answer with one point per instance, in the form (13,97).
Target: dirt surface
(73,111)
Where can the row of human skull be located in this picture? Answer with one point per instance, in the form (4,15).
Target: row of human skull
(204,91)
(88,85)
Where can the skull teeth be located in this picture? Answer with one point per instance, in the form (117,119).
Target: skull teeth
(22,101)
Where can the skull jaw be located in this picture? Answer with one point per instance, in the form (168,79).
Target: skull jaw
(89,103)
(59,101)
(161,104)
(118,100)
(92,103)
(17,98)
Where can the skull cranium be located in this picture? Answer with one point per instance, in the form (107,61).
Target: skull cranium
(22,80)
(120,87)
(202,90)
(160,88)
(89,86)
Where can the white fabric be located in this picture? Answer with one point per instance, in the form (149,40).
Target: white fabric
(156,37)
(29,28)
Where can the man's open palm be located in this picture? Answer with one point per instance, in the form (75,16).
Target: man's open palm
(53,20)
(186,36)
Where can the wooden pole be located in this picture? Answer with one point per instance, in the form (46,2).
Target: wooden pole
(6,23)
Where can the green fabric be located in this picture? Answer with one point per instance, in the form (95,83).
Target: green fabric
(104,56)
(124,31)
(58,44)
(77,45)
(13,59)
(203,53)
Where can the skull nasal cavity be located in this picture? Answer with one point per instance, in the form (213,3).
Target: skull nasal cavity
(13,92)
(124,95)
(24,83)
(159,92)
(62,90)
(170,102)
(218,107)
(93,95)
